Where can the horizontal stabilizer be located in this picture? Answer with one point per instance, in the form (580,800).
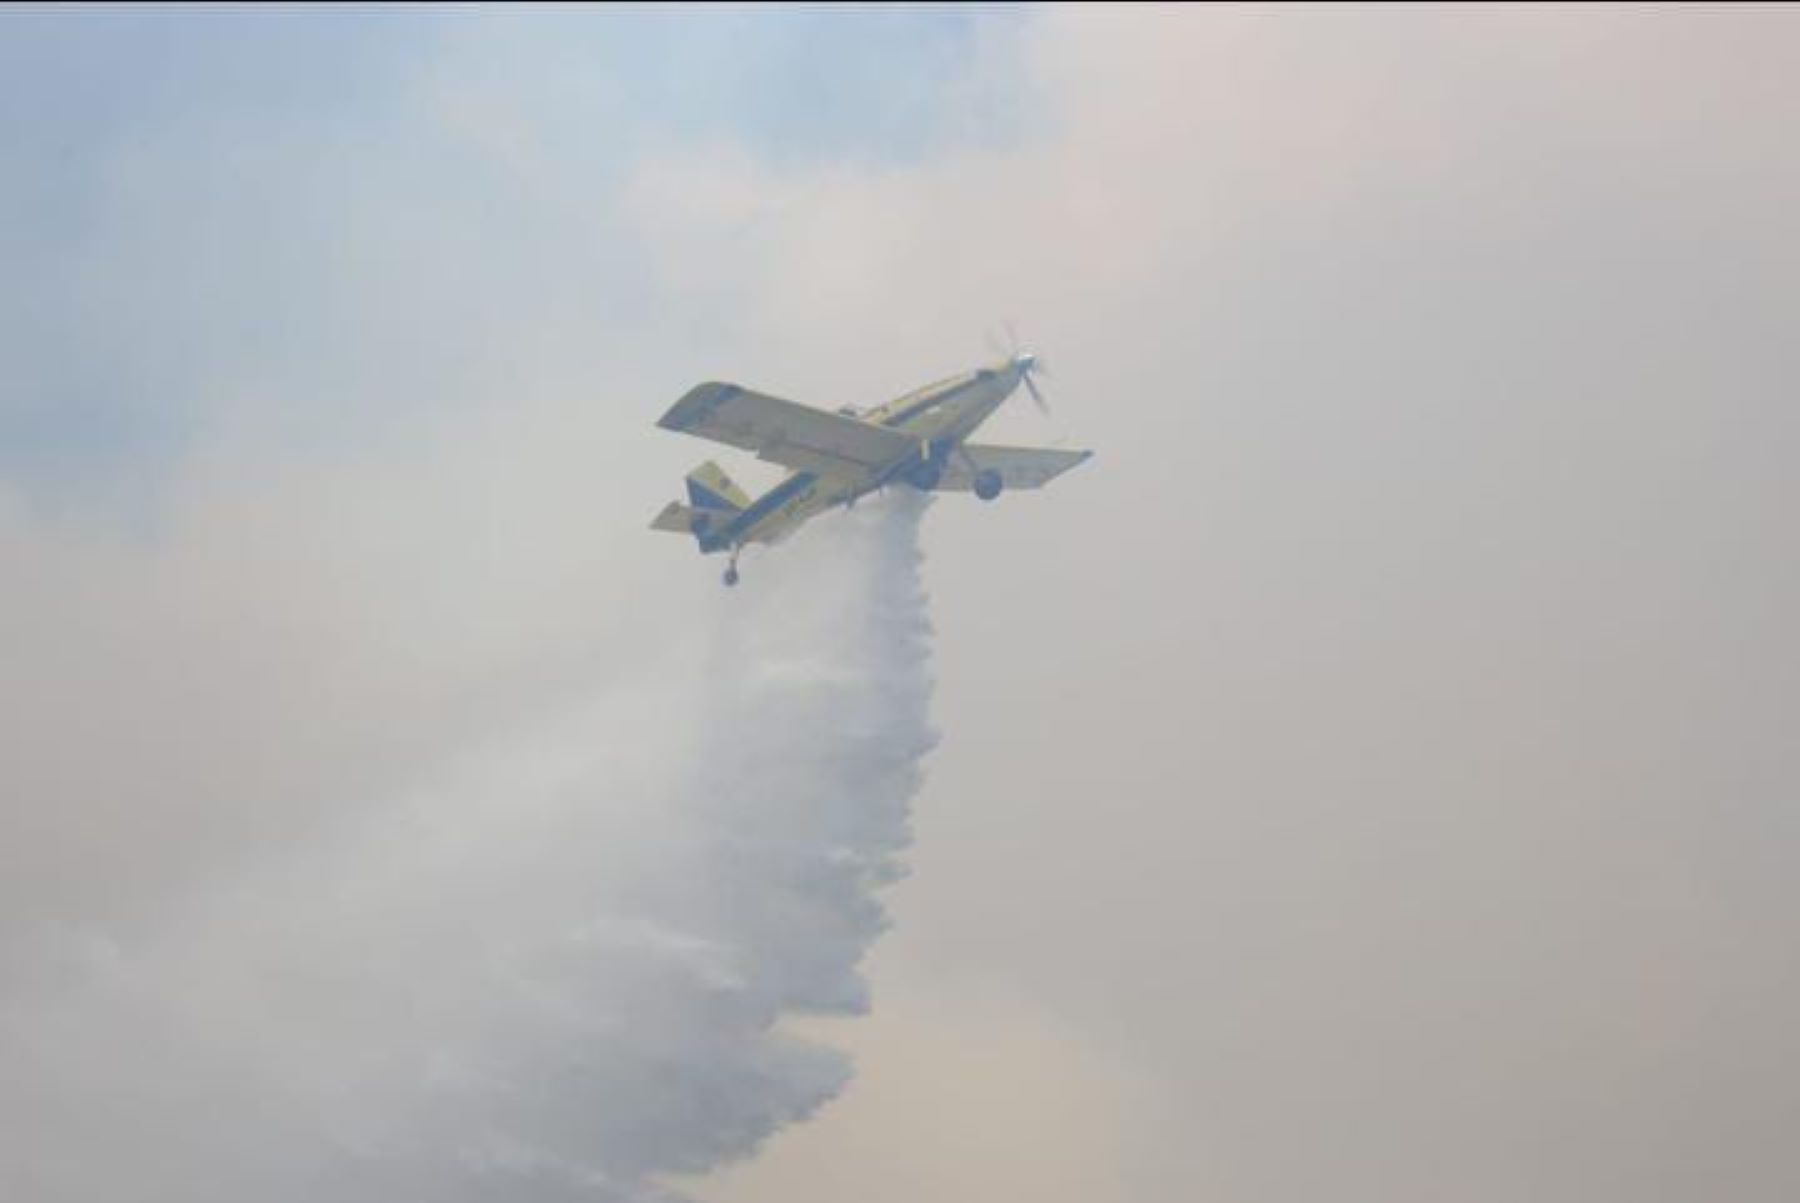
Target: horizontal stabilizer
(709,527)
(675,517)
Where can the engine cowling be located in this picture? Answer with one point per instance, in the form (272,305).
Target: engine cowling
(988,484)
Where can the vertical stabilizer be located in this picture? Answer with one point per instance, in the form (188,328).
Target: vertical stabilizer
(710,489)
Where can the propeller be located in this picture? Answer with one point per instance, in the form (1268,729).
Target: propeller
(1026,368)
(1027,363)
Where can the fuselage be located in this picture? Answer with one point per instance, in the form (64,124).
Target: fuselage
(939,417)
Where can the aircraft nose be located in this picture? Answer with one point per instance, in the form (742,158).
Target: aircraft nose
(1025,360)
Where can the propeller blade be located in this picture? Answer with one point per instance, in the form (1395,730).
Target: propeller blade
(1032,388)
(1012,338)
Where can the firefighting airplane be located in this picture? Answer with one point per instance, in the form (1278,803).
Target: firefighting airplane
(919,440)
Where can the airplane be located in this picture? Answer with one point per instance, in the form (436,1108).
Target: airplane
(919,441)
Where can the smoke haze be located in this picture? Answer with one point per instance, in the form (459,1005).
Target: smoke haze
(551,971)
(1371,778)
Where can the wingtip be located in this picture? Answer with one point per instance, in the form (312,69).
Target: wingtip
(696,403)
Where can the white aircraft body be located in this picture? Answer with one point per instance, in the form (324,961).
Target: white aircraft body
(918,441)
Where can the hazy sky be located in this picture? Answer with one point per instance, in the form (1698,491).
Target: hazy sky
(1372,777)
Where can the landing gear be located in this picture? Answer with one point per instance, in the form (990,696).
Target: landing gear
(988,483)
(731,572)
(927,472)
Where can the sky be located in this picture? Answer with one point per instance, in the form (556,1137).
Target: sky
(1372,776)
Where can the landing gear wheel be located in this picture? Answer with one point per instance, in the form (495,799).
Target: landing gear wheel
(731,577)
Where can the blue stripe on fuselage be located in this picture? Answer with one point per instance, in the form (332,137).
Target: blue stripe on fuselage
(759,509)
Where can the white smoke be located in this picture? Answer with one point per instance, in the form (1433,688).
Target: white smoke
(555,972)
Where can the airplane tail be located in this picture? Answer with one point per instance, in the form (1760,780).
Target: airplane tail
(716,500)
(708,488)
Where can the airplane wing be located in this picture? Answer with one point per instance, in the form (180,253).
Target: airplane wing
(1019,467)
(785,433)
